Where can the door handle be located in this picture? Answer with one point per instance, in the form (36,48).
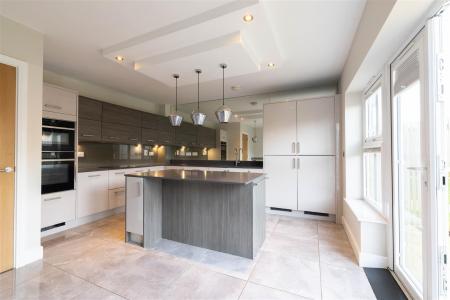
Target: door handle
(298,163)
(51,199)
(87,135)
(293,147)
(7,170)
(53,106)
(298,147)
(293,163)
(91,176)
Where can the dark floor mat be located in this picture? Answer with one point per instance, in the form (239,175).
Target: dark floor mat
(383,284)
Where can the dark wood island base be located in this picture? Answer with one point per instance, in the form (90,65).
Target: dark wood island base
(222,211)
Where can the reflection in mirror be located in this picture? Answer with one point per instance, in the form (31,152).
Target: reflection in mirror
(242,137)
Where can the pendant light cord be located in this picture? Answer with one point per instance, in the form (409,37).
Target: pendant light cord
(223,86)
(176,94)
(198,91)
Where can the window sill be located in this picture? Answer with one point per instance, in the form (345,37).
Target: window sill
(364,212)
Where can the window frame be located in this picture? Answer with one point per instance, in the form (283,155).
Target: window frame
(374,143)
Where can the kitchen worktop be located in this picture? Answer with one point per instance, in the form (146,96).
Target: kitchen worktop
(202,176)
(83,169)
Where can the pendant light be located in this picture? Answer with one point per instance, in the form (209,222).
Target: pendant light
(223,114)
(175,118)
(198,118)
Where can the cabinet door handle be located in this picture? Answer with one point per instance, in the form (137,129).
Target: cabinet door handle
(133,139)
(298,147)
(119,173)
(293,147)
(53,106)
(298,163)
(87,135)
(293,163)
(113,138)
(51,199)
(150,140)
(91,176)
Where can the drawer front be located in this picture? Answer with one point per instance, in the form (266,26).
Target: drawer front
(116,198)
(58,208)
(89,108)
(121,115)
(89,130)
(59,100)
(116,179)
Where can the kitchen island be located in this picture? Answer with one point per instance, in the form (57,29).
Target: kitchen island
(222,211)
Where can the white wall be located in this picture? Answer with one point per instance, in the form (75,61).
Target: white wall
(26,45)
(258,146)
(102,93)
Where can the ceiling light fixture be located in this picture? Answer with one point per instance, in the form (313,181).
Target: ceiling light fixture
(223,114)
(247,18)
(198,118)
(120,58)
(175,118)
(271,65)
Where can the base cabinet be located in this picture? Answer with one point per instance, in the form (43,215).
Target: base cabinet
(116,198)
(281,182)
(316,184)
(92,193)
(57,208)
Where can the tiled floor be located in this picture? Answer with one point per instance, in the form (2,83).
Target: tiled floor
(300,259)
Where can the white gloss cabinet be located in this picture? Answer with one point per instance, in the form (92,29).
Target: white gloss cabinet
(316,134)
(316,184)
(92,193)
(281,183)
(58,208)
(59,100)
(280,128)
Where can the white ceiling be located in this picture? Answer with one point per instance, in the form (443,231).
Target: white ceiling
(307,40)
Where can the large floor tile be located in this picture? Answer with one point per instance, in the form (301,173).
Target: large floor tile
(345,284)
(199,283)
(11,279)
(299,248)
(296,228)
(298,276)
(334,253)
(57,284)
(254,291)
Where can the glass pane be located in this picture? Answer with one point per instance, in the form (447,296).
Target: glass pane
(372,179)
(373,115)
(410,172)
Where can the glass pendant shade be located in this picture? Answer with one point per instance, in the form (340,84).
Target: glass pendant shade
(223,114)
(175,118)
(198,118)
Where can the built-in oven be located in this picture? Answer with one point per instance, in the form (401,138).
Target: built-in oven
(58,156)
(58,135)
(58,172)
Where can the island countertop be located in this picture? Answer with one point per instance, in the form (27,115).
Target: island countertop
(202,176)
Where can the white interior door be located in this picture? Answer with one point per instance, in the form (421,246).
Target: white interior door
(280,128)
(316,184)
(411,166)
(316,128)
(281,184)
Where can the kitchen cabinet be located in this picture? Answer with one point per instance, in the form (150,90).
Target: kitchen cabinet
(92,193)
(59,100)
(89,108)
(316,184)
(150,136)
(316,129)
(89,130)
(166,133)
(116,198)
(149,120)
(121,115)
(281,183)
(206,137)
(58,208)
(280,128)
(116,178)
(121,134)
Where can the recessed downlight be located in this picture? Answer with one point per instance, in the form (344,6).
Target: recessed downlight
(271,65)
(247,18)
(235,87)
(120,58)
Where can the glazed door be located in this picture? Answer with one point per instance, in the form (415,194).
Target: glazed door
(7,164)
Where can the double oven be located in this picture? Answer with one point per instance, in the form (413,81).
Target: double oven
(58,156)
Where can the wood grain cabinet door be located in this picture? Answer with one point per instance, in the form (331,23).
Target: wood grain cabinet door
(89,108)
(121,115)
(89,130)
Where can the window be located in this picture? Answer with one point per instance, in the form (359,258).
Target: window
(372,146)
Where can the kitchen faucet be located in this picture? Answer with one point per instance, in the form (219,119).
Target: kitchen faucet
(237,156)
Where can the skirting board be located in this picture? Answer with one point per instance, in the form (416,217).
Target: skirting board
(367,260)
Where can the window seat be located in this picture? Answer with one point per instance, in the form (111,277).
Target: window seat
(367,232)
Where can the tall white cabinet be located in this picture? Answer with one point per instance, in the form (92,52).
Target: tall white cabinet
(299,155)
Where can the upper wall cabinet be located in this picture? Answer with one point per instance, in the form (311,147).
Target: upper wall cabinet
(89,108)
(206,137)
(121,115)
(149,121)
(316,134)
(280,128)
(59,100)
